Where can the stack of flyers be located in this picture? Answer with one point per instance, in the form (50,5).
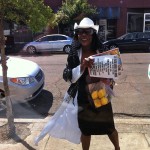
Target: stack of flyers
(114,51)
(105,67)
(107,64)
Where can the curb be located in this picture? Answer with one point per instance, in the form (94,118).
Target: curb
(137,121)
(116,120)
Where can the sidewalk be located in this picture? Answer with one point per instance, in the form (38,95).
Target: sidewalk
(134,134)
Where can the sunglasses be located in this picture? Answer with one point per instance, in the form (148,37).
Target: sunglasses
(85,31)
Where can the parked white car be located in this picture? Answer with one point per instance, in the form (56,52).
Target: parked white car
(49,43)
(25,79)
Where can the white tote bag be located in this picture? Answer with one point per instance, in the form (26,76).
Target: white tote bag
(64,123)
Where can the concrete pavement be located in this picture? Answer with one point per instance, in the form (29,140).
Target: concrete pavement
(134,134)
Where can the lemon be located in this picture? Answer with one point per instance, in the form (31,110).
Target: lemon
(97,103)
(104,100)
(94,94)
(101,93)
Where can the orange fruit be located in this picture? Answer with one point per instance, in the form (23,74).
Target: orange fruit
(104,100)
(101,93)
(97,103)
(94,95)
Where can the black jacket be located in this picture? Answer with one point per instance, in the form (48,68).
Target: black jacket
(72,62)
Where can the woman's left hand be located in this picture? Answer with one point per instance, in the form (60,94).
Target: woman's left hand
(88,62)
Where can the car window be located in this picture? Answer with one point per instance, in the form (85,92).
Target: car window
(50,38)
(130,36)
(122,37)
(42,39)
(46,38)
(147,35)
(140,35)
(59,38)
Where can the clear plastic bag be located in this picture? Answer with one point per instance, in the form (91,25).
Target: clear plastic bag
(100,93)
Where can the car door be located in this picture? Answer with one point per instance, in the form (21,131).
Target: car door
(128,42)
(45,43)
(59,42)
(142,41)
(138,42)
(146,40)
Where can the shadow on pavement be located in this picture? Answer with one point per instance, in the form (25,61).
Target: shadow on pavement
(23,142)
(42,103)
(37,108)
(25,54)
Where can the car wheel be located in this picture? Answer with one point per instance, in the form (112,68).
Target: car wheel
(67,49)
(31,50)
(112,46)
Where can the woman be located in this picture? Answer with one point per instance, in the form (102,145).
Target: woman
(90,121)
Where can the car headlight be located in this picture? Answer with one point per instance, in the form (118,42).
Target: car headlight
(22,80)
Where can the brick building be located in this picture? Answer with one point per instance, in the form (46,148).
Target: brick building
(117,17)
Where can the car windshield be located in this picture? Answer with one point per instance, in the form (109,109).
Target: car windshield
(121,37)
(46,38)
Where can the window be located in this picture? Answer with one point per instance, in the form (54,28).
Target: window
(147,35)
(135,22)
(50,38)
(140,35)
(59,38)
(129,36)
(146,22)
(46,38)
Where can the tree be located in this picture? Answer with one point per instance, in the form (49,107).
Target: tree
(72,9)
(32,13)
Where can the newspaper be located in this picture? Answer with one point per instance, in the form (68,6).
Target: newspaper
(107,64)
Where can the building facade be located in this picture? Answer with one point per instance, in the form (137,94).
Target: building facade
(117,17)
(114,17)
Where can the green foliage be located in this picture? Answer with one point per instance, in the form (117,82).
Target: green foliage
(33,13)
(73,8)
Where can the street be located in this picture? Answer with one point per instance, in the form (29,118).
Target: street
(132,96)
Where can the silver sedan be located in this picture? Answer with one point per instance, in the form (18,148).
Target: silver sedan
(53,42)
(25,80)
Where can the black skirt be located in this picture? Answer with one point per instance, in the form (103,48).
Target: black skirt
(96,122)
(93,121)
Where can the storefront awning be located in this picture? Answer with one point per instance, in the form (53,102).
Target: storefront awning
(108,13)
